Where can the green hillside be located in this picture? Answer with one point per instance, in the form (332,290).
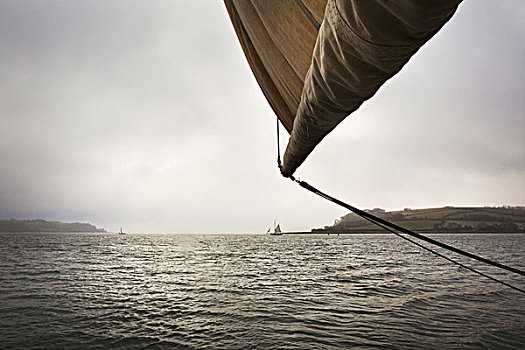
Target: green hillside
(447,219)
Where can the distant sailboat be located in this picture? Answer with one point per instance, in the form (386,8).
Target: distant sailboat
(121,232)
(276,230)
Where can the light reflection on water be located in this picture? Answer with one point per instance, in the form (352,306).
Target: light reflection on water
(254,291)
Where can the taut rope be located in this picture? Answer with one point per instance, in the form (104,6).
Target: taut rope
(396,229)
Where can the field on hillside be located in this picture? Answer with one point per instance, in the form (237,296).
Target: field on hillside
(447,219)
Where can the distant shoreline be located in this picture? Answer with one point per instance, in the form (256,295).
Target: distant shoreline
(264,234)
(377,232)
(443,220)
(39,225)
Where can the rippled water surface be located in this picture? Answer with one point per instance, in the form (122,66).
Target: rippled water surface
(254,291)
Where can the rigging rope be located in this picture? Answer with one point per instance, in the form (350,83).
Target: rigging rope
(395,229)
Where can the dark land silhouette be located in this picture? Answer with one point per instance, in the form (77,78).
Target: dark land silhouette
(39,225)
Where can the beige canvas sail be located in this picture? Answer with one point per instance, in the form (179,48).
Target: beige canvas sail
(317,61)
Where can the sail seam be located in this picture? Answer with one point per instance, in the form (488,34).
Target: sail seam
(283,56)
(308,14)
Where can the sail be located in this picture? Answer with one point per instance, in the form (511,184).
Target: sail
(317,61)
(269,230)
(278,228)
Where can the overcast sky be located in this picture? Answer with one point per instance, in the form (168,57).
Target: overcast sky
(145,114)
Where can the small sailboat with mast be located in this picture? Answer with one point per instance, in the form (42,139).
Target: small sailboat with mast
(275,230)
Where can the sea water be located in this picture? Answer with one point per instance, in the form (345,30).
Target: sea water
(165,291)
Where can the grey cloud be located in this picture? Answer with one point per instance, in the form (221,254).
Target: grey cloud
(145,114)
